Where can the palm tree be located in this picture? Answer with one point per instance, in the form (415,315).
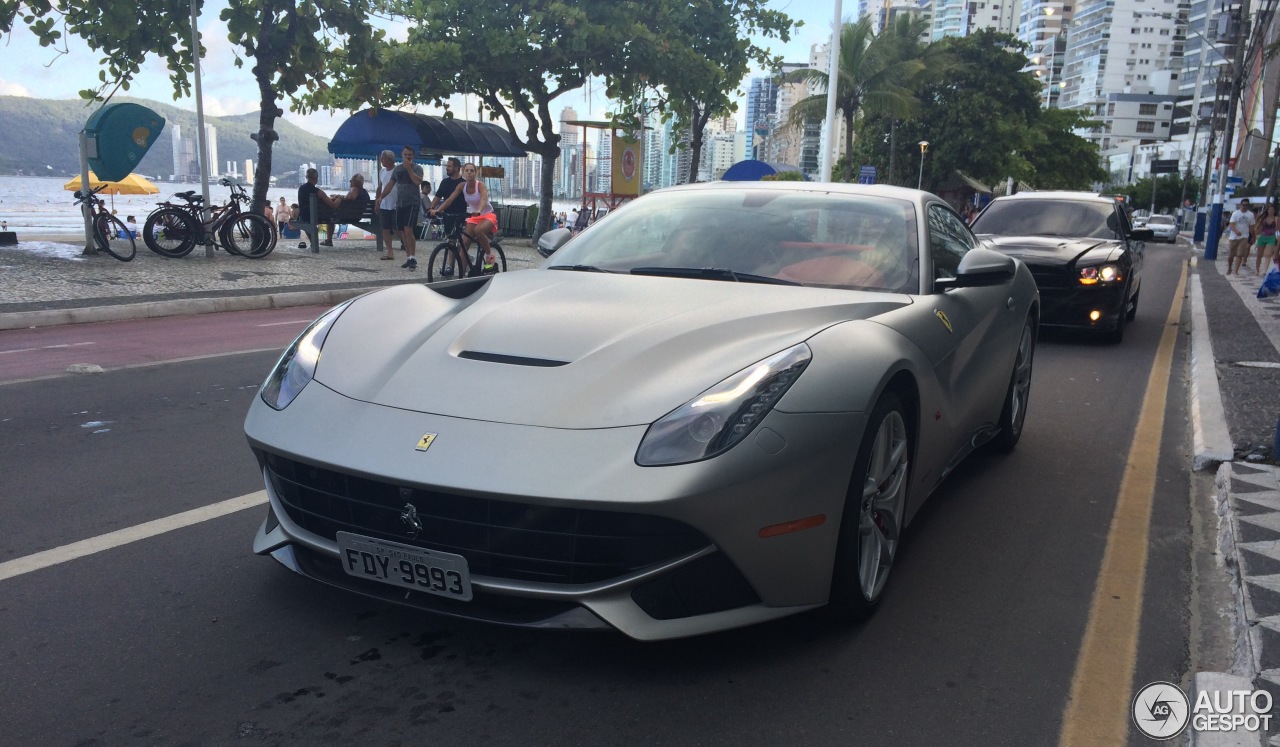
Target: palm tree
(875,74)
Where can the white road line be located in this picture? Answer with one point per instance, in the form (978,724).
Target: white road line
(296,321)
(47,347)
(47,558)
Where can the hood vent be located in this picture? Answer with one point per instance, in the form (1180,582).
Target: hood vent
(510,360)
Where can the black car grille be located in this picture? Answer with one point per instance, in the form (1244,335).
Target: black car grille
(1048,278)
(502,539)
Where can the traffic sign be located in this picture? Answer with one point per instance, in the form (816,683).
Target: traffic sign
(867,175)
(1164,166)
(1235,180)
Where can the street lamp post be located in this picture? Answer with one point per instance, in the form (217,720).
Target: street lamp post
(1237,82)
(924,146)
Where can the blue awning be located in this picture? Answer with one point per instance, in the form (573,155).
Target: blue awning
(751,170)
(369,132)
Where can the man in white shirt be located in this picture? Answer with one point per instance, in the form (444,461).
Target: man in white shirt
(572,221)
(1239,237)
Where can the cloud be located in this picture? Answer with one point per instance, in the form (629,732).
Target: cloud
(13,89)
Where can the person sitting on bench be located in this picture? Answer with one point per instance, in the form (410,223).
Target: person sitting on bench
(349,208)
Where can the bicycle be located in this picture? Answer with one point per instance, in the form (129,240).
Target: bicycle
(173,230)
(110,234)
(449,258)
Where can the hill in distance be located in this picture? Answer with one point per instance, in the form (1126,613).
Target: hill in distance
(41,136)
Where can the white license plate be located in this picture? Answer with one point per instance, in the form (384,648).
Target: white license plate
(408,567)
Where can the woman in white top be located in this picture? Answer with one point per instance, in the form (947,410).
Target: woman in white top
(387,207)
(481,220)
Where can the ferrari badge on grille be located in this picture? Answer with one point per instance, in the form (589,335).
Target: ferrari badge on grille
(427,439)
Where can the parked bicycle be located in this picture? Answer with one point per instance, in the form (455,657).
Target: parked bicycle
(449,260)
(173,230)
(110,234)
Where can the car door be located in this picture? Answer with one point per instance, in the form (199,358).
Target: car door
(973,336)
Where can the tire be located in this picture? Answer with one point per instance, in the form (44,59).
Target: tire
(113,237)
(871,524)
(1115,335)
(1014,413)
(1133,308)
(444,264)
(169,232)
(249,235)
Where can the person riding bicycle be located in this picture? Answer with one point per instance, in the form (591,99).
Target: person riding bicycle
(457,212)
(482,222)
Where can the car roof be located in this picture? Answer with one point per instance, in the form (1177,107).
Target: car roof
(1058,195)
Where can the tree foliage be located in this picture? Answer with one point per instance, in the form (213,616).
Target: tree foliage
(125,34)
(702,55)
(983,118)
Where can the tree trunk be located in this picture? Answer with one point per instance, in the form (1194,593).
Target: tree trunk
(265,136)
(543,222)
(893,151)
(699,121)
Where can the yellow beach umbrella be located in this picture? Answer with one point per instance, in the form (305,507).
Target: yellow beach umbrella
(130,185)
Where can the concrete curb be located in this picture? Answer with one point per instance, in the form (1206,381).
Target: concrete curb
(1210,439)
(178,307)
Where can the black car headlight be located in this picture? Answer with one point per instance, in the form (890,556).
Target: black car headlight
(1095,274)
(297,365)
(716,420)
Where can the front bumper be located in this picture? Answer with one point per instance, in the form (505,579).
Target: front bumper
(1063,305)
(720,574)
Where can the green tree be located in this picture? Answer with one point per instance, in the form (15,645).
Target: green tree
(977,116)
(702,53)
(125,34)
(517,58)
(1059,158)
(874,73)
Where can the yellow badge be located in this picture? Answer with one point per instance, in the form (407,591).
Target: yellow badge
(945,321)
(425,442)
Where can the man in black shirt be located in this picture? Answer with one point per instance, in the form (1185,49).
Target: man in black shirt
(305,191)
(457,211)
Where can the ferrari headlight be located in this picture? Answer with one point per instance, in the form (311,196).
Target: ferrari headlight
(298,363)
(716,420)
(1108,273)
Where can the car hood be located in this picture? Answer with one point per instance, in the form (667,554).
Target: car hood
(570,349)
(1051,251)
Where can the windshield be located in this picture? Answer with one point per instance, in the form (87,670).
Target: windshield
(1164,219)
(814,238)
(1070,218)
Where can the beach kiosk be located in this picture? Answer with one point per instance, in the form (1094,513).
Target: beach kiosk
(368,132)
(626,172)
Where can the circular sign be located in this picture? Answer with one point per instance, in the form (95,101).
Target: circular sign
(1161,710)
(629,164)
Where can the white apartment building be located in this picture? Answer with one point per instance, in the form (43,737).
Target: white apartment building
(1121,46)
(1043,25)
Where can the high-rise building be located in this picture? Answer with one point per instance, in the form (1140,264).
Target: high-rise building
(761,103)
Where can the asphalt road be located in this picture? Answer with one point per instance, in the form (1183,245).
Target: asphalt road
(187,638)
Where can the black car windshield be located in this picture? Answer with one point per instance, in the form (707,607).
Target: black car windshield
(793,237)
(1071,218)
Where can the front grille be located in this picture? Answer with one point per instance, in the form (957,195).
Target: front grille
(502,539)
(1052,278)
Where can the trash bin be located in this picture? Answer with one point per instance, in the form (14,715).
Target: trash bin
(1201,219)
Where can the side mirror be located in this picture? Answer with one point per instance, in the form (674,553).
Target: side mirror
(551,241)
(1142,234)
(980,268)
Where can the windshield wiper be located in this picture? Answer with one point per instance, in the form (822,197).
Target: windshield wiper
(710,273)
(579,268)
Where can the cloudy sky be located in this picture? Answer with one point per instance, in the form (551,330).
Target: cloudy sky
(27,69)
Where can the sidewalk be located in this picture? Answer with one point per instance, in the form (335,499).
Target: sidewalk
(46,282)
(1235,401)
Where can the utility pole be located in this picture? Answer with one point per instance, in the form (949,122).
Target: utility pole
(1237,81)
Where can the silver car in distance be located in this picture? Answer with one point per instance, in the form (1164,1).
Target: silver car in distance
(720,405)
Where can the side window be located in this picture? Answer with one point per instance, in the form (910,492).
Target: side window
(949,241)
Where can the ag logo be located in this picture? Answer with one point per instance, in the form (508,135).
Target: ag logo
(425,442)
(1161,710)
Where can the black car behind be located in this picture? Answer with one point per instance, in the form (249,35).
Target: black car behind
(1082,250)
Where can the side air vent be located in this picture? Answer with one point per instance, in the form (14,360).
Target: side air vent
(510,360)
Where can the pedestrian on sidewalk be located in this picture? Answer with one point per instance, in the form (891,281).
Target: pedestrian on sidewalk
(406,180)
(1267,226)
(385,204)
(1239,235)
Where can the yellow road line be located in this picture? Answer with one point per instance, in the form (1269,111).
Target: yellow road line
(1097,712)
